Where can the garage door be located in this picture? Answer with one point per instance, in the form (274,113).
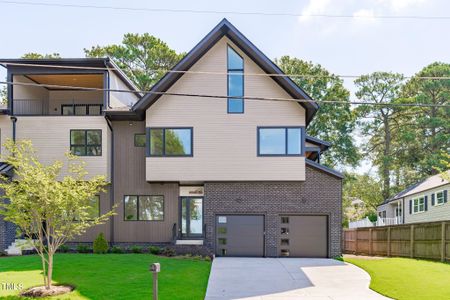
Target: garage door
(303,236)
(239,235)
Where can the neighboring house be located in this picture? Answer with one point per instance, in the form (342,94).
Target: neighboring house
(426,201)
(235,177)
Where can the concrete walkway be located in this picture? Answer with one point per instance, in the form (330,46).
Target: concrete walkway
(287,279)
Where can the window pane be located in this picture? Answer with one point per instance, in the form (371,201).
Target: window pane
(80,110)
(156,141)
(235,105)
(94,208)
(294,145)
(78,150)
(151,208)
(272,141)
(178,142)
(236,84)
(234,60)
(94,137)
(67,110)
(139,140)
(93,150)
(77,137)
(130,207)
(95,110)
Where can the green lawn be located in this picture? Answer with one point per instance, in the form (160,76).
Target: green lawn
(404,278)
(110,276)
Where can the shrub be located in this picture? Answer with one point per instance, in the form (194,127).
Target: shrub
(116,249)
(136,249)
(81,248)
(207,258)
(100,244)
(154,250)
(168,252)
(64,248)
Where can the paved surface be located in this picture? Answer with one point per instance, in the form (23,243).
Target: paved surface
(287,279)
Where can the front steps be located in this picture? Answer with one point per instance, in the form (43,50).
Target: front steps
(18,246)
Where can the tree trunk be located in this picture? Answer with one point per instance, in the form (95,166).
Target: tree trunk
(386,158)
(49,271)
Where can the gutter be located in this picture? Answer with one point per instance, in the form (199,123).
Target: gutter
(14,121)
(111,190)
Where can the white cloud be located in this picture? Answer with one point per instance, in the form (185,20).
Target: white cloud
(314,7)
(364,14)
(399,5)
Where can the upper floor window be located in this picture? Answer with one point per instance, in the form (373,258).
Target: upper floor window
(170,141)
(86,142)
(418,205)
(280,141)
(235,65)
(440,198)
(81,109)
(139,140)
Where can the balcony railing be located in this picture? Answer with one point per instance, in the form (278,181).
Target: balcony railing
(380,222)
(38,107)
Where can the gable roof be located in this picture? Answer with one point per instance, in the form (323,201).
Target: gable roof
(323,145)
(225,28)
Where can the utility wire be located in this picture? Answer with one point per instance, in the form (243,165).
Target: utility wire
(226,97)
(6,63)
(230,12)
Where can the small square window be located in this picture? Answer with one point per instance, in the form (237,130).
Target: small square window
(285,220)
(284,230)
(284,252)
(284,242)
(222,230)
(222,241)
(139,140)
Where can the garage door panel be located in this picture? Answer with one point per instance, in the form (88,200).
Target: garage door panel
(244,235)
(307,236)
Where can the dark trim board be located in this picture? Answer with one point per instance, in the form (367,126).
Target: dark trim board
(324,169)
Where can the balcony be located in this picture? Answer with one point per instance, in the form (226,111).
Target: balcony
(40,107)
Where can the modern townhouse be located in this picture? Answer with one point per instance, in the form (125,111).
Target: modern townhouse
(228,175)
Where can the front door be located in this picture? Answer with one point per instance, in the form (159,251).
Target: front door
(191,223)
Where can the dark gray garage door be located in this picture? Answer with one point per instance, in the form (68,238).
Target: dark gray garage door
(303,236)
(239,235)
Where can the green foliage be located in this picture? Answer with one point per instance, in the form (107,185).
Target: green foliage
(154,250)
(3,96)
(64,249)
(83,248)
(100,244)
(116,250)
(136,249)
(143,57)
(332,123)
(34,55)
(168,252)
(45,204)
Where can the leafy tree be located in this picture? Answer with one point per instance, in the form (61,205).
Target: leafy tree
(379,121)
(333,122)
(46,206)
(365,188)
(142,57)
(34,55)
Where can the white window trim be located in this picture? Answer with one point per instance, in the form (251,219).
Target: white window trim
(418,205)
(435,198)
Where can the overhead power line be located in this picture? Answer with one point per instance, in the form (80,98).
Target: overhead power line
(212,73)
(228,97)
(227,12)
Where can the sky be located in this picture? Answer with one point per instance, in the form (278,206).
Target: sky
(344,46)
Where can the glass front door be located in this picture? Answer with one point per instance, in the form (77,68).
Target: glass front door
(191,217)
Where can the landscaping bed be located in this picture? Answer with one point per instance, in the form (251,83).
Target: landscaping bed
(405,278)
(109,276)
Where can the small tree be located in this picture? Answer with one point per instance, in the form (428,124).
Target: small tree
(48,208)
(100,244)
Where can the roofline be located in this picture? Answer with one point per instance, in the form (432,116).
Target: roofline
(225,28)
(403,196)
(324,145)
(324,169)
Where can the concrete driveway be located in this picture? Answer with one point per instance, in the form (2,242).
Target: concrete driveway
(287,279)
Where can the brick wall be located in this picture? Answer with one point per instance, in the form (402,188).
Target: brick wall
(7,234)
(320,193)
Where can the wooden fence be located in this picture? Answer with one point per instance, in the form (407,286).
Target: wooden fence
(419,240)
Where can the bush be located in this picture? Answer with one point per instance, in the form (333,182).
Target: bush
(64,248)
(100,244)
(116,249)
(168,252)
(154,250)
(208,258)
(81,248)
(136,249)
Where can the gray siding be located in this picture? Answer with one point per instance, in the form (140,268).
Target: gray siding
(434,213)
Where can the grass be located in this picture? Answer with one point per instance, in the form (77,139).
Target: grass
(404,278)
(110,276)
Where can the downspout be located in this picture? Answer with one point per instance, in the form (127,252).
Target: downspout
(111,191)
(14,120)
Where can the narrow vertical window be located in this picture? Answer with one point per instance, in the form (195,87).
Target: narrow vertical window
(235,81)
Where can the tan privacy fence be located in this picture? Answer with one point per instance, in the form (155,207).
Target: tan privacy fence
(419,240)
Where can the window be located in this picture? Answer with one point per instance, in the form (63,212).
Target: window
(284,242)
(418,205)
(170,141)
(222,230)
(86,142)
(139,140)
(284,230)
(439,197)
(222,241)
(81,109)
(283,141)
(235,81)
(94,208)
(144,208)
(284,220)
